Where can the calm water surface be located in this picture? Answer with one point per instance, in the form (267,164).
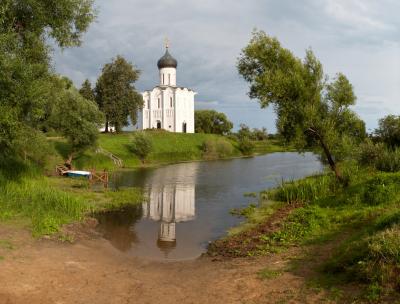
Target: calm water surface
(189,203)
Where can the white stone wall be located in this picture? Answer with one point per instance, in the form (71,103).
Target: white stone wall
(184,110)
(168,76)
(170,106)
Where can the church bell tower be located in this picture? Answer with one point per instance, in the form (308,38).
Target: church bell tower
(167,67)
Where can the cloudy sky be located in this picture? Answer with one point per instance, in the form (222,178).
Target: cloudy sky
(360,38)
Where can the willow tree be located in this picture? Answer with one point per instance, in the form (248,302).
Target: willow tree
(116,94)
(311,112)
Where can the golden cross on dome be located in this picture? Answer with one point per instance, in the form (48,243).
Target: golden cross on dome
(166,42)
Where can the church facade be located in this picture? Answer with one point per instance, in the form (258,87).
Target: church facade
(168,106)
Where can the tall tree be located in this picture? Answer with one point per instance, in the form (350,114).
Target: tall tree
(116,94)
(26,80)
(211,121)
(76,118)
(311,112)
(389,130)
(86,90)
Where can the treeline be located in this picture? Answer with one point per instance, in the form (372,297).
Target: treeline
(35,102)
(115,94)
(33,99)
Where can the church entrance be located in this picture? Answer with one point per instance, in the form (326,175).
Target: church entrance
(184,127)
(158,124)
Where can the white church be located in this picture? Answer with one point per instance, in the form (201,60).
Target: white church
(168,106)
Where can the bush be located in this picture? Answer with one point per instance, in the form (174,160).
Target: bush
(379,156)
(213,149)
(246,146)
(369,152)
(388,161)
(141,145)
(382,189)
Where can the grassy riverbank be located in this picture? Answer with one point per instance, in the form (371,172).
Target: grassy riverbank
(167,148)
(44,204)
(47,203)
(362,220)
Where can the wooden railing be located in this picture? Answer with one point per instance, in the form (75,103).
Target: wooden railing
(101,177)
(116,160)
(61,169)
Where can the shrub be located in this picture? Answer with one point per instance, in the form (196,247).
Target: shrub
(246,146)
(209,149)
(382,189)
(369,152)
(388,161)
(141,145)
(379,156)
(213,149)
(224,148)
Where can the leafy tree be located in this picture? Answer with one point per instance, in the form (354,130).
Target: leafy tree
(36,20)
(86,90)
(244,131)
(116,94)
(77,119)
(389,130)
(141,145)
(212,122)
(255,134)
(311,112)
(26,80)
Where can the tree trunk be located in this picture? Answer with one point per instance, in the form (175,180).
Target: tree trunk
(68,162)
(106,127)
(331,162)
(328,154)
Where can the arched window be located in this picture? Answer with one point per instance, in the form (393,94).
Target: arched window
(148,104)
(162,78)
(184,127)
(170,101)
(169,79)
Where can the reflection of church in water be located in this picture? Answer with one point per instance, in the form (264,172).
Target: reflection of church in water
(170,205)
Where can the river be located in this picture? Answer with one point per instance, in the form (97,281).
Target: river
(189,203)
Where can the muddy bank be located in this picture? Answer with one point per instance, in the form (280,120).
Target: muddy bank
(92,271)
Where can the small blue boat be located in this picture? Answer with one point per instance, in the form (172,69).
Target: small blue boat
(72,173)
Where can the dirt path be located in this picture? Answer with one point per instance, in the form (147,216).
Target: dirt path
(92,271)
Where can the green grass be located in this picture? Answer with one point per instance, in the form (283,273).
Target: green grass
(366,211)
(167,148)
(49,203)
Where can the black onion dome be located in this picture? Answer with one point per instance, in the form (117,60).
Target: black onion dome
(167,61)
